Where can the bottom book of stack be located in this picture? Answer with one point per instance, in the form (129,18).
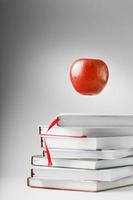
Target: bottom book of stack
(78,185)
(81,175)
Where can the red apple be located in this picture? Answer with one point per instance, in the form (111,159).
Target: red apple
(89,76)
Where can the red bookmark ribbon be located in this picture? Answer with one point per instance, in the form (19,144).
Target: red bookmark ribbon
(47,153)
(55,122)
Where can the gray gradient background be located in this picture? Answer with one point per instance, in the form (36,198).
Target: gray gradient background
(39,41)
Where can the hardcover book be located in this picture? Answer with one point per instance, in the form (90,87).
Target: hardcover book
(82,164)
(110,174)
(89,143)
(73,185)
(85,120)
(86,131)
(89,154)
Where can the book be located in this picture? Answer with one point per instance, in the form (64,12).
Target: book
(91,154)
(85,120)
(82,164)
(111,174)
(89,143)
(88,186)
(86,131)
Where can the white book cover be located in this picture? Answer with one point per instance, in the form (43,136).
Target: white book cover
(86,131)
(82,164)
(89,143)
(111,174)
(88,186)
(89,154)
(85,120)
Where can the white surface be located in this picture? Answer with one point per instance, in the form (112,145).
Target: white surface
(16,189)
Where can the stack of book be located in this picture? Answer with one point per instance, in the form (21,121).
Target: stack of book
(88,153)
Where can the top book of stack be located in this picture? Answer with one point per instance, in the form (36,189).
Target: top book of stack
(85,120)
